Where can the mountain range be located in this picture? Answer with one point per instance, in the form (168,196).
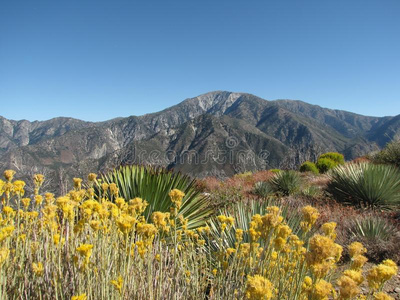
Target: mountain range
(219,133)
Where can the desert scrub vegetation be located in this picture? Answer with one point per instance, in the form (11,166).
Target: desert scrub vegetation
(233,189)
(88,245)
(389,155)
(366,185)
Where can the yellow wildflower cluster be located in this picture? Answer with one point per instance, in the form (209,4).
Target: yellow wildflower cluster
(322,256)
(381,273)
(349,284)
(38,268)
(261,226)
(9,175)
(93,244)
(259,288)
(225,222)
(357,251)
(177,197)
(310,216)
(160,220)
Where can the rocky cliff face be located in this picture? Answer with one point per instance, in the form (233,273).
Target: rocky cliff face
(218,133)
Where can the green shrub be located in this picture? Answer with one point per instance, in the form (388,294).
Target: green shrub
(309,166)
(286,182)
(336,157)
(389,155)
(275,170)
(366,185)
(153,185)
(325,164)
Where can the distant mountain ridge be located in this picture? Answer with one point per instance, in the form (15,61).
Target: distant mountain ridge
(217,133)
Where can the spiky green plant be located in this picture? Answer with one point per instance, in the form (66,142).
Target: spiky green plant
(366,185)
(262,189)
(372,227)
(153,185)
(286,182)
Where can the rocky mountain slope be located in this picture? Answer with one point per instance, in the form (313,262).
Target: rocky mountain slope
(218,133)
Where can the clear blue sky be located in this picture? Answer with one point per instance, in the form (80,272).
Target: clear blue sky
(96,60)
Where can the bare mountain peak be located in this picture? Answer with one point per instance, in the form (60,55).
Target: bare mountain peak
(216,102)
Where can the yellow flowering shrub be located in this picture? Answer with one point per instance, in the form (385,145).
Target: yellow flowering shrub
(78,247)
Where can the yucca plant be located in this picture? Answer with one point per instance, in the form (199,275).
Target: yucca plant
(378,235)
(366,185)
(262,189)
(286,182)
(153,185)
(372,227)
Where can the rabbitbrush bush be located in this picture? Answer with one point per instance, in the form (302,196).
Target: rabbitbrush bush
(309,166)
(325,164)
(336,157)
(328,161)
(366,185)
(76,247)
